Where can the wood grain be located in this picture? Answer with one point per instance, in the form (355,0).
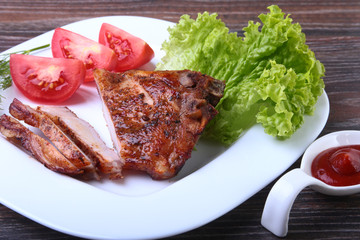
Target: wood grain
(333,33)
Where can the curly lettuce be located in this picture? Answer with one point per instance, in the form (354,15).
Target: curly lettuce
(271,75)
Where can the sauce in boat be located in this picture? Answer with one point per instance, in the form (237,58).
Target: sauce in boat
(338,166)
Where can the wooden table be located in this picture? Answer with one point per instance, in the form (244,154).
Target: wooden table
(333,33)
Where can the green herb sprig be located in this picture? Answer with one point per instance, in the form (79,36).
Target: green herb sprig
(5,77)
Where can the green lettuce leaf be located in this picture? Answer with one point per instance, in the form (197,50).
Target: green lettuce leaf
(271,75)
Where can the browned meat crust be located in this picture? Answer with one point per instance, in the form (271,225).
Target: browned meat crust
(56,136)
(41,149)
(156,117)
(87,139)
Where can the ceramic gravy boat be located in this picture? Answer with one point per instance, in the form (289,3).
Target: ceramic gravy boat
(278,204)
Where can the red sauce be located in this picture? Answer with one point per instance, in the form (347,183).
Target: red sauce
(338,166)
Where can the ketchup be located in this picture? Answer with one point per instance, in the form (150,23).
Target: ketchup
(338,166)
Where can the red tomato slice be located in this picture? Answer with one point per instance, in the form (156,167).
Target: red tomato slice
(67,44)
(132,52)
(46,80)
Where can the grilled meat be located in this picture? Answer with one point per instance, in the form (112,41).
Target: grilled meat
(156,117)
(86,138)
(65,145)
(41,149)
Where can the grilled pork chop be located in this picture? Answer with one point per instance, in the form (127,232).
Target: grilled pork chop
(86,138)
(65,145)
(156,117)
(41,149)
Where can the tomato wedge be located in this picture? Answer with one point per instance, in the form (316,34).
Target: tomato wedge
(67,44)
(46,80)
(132,52)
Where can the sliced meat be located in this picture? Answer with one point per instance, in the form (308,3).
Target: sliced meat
(41,149)
(156,117)
(86,138)
(65,145)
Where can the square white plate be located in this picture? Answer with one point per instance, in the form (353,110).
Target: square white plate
(214,181)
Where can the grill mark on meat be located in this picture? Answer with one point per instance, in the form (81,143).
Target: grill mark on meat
(157,136)
(41,149)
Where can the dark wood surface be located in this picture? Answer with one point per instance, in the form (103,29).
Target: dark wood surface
(333,33)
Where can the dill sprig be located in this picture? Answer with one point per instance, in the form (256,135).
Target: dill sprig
(5,77)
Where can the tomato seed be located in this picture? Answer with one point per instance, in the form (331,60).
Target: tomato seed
(32,76)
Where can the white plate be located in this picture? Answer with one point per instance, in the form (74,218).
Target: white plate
(214,181)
